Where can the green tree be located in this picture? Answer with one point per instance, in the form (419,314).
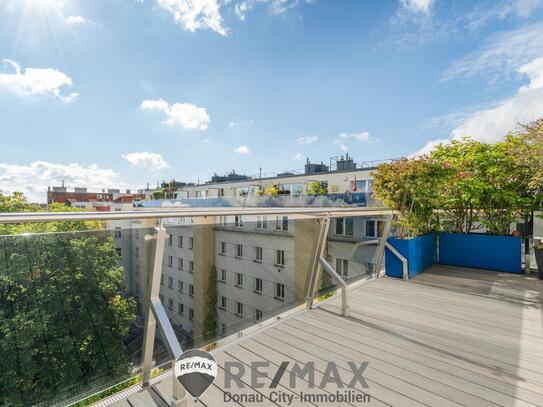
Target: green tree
(316,188)
(410,186)
(63,318)
(211,315)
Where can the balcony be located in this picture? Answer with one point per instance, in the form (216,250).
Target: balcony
(79,322)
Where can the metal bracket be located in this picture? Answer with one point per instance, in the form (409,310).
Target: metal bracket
(316,270)
(342,283)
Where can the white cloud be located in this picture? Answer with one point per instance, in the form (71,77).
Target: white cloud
(492,124)
(306,140)
(76,20)
(429,146)
(274,6)
(417,6)
(363,136)
(502,54)
(37,81)
(243,150)
(185,115)
(144,159)
(299,156)
(196,14)
(34,178)
(241,123)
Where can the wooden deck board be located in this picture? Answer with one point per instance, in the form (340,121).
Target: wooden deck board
(450,337)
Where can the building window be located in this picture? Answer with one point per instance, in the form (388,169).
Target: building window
(344,226)
(374,228)
(238,221)
(223,275)
(223,303)
(222,220)
(170,304)
(280,257)
(170,282)
(239,251)
(258,285)
(180,309)
(117,232)
(258,315)
(191,266)
(258,254)
(180,286)
(280,291)
(191,290)
(137,252)
(180,263)
(342,267)
(239,280)
(281,223)
(191,243)
(191,314)
(170,261)
(222,249)
(262,222)
(170,239)
(239,309)
(137,234)
(179,241)
(119,252)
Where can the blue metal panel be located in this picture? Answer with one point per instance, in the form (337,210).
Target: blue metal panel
(477,250)
(419,252)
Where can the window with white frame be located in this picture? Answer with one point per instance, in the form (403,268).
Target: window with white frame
(179,263)
(223,303)
(262,222)
(239,308)
(222,248)
(239,251)
(191,266)
(258,315)
(170,261)
(191,290)
(170,304)
(258,254)
(342,267)
(180,309)
(239,280)
(170,239)
(374,228)
(280,291)
(223,276)
(118,232)
(280,257)
(223,220)
(258,285)
(281,223)
(170,282)
(180,286)
(179,241)
(238,221)
(344,226)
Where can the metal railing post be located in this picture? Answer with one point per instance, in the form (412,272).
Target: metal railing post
(381,247)
(154,290)
(341,282)
(316,270)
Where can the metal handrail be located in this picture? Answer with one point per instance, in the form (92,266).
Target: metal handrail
(158,213)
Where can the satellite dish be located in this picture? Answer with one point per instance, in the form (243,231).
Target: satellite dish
(195,370)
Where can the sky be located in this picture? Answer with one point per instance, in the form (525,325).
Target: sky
(122,93)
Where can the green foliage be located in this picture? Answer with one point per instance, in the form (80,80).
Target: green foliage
(158,194)
(316,188)
(272,190)
(211,315)
(410,186)
(63,318)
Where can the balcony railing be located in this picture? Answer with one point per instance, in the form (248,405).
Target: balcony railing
(81,293)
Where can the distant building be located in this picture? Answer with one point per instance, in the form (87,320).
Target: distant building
(91,199)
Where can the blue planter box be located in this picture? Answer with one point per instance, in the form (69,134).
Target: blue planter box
(419,252)
(477,250)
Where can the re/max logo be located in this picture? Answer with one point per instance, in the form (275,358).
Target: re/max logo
(235,373)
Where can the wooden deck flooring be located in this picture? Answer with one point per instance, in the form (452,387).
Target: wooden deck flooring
(449,337)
